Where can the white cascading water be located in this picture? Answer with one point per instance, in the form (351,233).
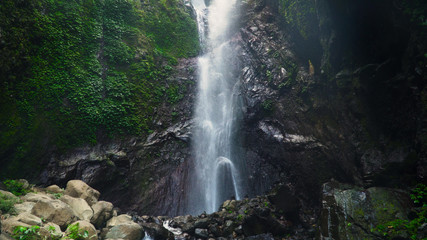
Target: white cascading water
(217,169)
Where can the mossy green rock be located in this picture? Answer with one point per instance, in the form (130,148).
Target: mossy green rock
(350,212)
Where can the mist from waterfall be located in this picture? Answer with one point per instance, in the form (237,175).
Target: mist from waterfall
(217,171)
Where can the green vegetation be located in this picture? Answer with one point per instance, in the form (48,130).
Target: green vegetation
(172,29)
(57,195)
(33,233)
(300,15)
(269,76)
(6,204)
(16,187)
(174,94)
(75,72)
(292,69)
(268,106)
(403,227)
(26,233)
(75,233)
(416,9)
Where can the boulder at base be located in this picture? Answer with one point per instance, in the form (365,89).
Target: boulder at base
(55,211)
(102,212)
(126,231)
(79,189)
(79,206)
(82,227)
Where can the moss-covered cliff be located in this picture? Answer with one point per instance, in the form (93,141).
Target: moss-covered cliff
(77,72)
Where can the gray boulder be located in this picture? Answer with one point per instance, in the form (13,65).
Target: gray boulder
(54,189)
(29,219)
(9,195)
(126,231)
(55,211)
(36,197)
(80,207)
(9,224)
(5,236)
(102,212)
(121,219)
(79,189)
(201,233)
(24,207)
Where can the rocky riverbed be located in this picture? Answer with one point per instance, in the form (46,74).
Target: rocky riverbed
(347,212)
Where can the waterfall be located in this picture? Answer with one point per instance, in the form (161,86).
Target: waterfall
(217,171)
(147,236)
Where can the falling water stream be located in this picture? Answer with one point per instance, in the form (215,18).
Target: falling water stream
(217,174)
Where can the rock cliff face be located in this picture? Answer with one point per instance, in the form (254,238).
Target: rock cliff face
(330,96)
(328,105)
(337,92)
(341,102)
(139,174)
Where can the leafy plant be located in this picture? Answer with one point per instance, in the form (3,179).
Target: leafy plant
(416,9)
(300,15)
(53,234)
(269,75)
(419,194)
(75,233)
(33,233)
(174,95)
(26,233)
(68,93)
(57,195)
(172,29)
(6,204)
(267,106)
(15,187)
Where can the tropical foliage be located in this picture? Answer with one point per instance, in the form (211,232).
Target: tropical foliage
(74,72)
